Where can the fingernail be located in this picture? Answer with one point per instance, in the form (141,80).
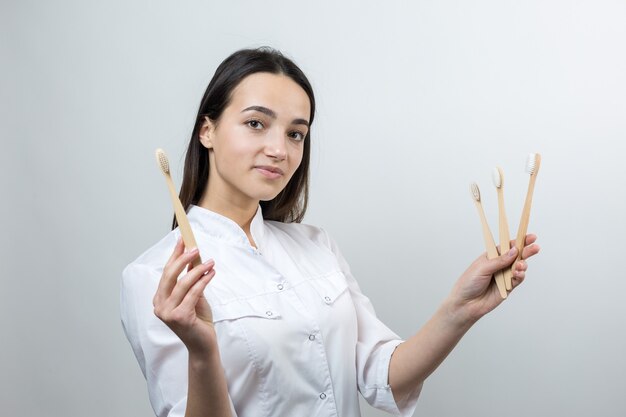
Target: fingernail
(210,261)
(512,252)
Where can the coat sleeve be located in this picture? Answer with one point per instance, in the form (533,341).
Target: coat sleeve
(375,346)
(162,356)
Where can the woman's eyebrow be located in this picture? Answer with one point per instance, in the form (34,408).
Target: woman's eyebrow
(300,122)
(271,113)
(261,109)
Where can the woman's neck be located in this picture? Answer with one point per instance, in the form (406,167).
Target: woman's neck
(240,213)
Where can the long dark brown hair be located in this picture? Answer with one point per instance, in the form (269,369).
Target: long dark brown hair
(291,203)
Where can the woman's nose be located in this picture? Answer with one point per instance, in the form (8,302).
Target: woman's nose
(275,147)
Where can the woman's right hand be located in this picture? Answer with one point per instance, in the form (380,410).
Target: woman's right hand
(180,303)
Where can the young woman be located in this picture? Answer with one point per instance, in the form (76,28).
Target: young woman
(283,328)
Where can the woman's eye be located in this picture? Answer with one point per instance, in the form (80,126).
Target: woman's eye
(298,136)
(255,124)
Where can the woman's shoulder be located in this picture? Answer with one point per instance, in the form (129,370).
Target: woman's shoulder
(152,260)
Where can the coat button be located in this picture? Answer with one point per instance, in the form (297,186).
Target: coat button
(280,287)
(322,395)
(311,337)
(327,299)
(269,313)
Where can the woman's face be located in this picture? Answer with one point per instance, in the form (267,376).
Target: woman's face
(257,144)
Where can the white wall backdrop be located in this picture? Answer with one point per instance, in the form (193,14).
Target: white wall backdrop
(416,100)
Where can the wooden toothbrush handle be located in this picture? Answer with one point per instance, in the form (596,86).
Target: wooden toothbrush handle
(492,251)
(500,278)
(183,221)
(505,238)
(523,224)
(525,219)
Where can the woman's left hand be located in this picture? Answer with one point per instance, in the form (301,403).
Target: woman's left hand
(476,294)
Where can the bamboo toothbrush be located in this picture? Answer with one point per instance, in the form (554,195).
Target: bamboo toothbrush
(505,245)
(492,251)
(532,167)
(181,216)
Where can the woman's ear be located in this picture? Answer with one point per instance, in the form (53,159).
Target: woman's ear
(206,133)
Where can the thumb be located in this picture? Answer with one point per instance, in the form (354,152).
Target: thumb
(501,262)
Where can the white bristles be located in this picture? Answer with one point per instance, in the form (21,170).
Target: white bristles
(475,191)
(162,161)
(497,178)
(531,163)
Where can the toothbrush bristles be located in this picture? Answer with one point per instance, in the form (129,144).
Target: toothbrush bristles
(162,161)
(530,163)
(475,191)
(497,178)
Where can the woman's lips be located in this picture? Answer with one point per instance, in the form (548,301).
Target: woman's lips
(269,171)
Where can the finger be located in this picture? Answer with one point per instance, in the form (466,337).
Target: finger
(164,288)
(518,278)
(178,265)
(196,291)
(172,271)
(185,259)
(188,280)
(193,263)
(490,266)
(185,283)
(178,250)
(519,273)
(530,251)
(529,240)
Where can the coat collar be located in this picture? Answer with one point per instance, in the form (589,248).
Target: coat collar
(221,227)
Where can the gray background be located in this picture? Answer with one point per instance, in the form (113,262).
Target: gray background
(416,100)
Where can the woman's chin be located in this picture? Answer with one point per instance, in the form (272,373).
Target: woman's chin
(266,192)
(268,197)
